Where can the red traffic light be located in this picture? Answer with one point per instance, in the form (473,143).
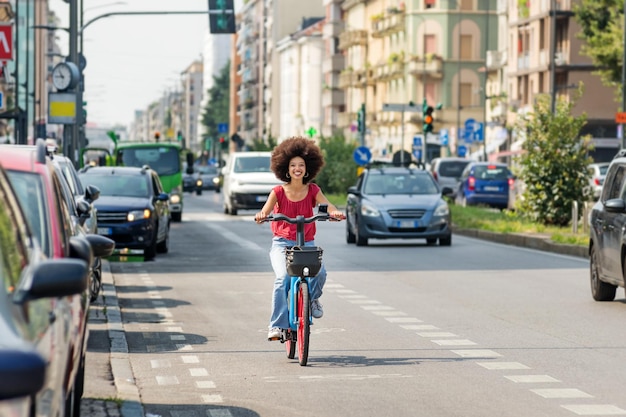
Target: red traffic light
(221,140)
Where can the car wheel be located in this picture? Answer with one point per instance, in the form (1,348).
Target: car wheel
(177,216)
(217,190)
(445,241)
(198,192)
(360,240)
(600,290)
(431,241)
(151,250)
(350,237)
(164,246)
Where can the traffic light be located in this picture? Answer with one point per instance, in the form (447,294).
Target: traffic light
(428,118)
(222,16)
(223,143)
(157,136)
(179,136)
(360,120)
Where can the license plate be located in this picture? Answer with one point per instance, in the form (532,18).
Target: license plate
(104,230)
(489,188)
(261,198)
(407,224)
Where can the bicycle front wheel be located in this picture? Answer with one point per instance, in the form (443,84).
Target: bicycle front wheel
(304,323)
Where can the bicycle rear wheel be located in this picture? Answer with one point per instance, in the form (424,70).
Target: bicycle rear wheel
(290,344)
(304,324)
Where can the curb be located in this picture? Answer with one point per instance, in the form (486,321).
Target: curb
(538,242)
(120,364)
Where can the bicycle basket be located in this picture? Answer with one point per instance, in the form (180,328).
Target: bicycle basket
(300,257)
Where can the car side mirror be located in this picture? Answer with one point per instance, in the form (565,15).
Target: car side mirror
(163,197)
(447,191)
(354,190)
(92,193)
(83,207)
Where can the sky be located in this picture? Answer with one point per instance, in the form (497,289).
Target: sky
(133,60)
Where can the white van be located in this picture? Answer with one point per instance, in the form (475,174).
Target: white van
(248,181)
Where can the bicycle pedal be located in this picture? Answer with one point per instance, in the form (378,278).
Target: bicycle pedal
(271,339)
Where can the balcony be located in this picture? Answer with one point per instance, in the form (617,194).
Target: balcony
(560,58)
(347,79)
(388,24)
(333,97)
(498,111)
(496,59)
(334,63)
(431,66)
(395,70)
(348,4)
(333,29)
(352,38)
(345,119)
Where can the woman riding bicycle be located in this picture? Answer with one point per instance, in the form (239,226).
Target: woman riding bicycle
(296,161)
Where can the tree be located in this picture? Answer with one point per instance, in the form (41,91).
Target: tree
(217,108)
(340,170)
(601,24)
(554,161)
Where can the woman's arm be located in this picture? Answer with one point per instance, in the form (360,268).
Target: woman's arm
(267,207)
(320,198)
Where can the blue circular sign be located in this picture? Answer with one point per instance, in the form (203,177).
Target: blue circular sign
(362,155)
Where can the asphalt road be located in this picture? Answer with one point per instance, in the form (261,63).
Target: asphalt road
(475,329)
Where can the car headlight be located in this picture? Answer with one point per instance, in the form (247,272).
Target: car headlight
(216,180)
(371,211)
(175,199)
(442,210)
(138,215)
(199,183)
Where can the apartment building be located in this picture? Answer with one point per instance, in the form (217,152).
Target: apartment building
(193,103)
(333,97)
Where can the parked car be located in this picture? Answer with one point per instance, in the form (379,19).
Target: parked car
(133,208)
(397,203)
(248,181)
(485,183)
(607,225)
(43,296)
(80,201)
(598,174)
(210,177)
(447,172)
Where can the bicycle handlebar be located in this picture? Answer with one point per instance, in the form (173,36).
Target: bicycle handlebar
(295,220)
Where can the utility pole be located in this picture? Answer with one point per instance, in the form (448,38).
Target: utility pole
(553,55)
(624,79)
(487,14)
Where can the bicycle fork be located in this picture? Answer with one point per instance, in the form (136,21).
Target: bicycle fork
(293,301)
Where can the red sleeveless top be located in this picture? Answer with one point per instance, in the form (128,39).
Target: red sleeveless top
(290,208)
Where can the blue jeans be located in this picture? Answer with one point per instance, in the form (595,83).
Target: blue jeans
(280,314)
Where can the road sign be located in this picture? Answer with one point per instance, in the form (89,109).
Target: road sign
(401,107)
(479,132)
(443,137)
(417,141)
(6,42)
(461,150)
(469,125)
(222,128)
(362,155)
(417,153)
(620,117)
(311,132)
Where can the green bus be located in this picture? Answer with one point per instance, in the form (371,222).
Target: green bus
(163,157)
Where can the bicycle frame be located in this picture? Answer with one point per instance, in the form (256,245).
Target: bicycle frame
(293,300)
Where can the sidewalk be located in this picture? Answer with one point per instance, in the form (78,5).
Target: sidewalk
(110,389)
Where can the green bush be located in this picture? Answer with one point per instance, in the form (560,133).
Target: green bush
(340,171)
(554,163)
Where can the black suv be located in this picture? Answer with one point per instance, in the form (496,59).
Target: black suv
(133,209)
(607,221)
(397,203)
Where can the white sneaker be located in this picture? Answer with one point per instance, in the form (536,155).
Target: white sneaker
(274,333)
(317,309)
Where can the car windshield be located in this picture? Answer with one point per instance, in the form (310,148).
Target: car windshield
(118,184)
(164,160)
(207,169)
(30,193)
(452,168)
(379,184)
(252,164)
(491,172)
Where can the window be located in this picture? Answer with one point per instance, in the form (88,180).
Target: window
(466,94)
(429,4)
(614,189)
(466,4)
(430,44)
(465,43)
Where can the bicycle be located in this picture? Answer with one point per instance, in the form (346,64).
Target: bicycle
(303,262)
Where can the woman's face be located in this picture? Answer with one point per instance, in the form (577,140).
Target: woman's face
(297,168)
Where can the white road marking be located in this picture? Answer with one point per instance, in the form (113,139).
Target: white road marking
(376,308)
(389,313)
(561,393)
(528,379)
(212,398)
(350,297)
(403,320)
(595,409)
(502,365)
(205,384)
(436,334)
(167,380)
(453,342)
(190,359)
(183,347)
(198,372)
(160,363)
(419,327)
(477,353)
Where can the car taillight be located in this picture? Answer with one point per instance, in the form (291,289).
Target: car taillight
(435,176)
(596,181)
(471,183)
(511,181)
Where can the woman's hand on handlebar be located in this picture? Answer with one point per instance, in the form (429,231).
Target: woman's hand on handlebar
(337,215)
(260,217)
